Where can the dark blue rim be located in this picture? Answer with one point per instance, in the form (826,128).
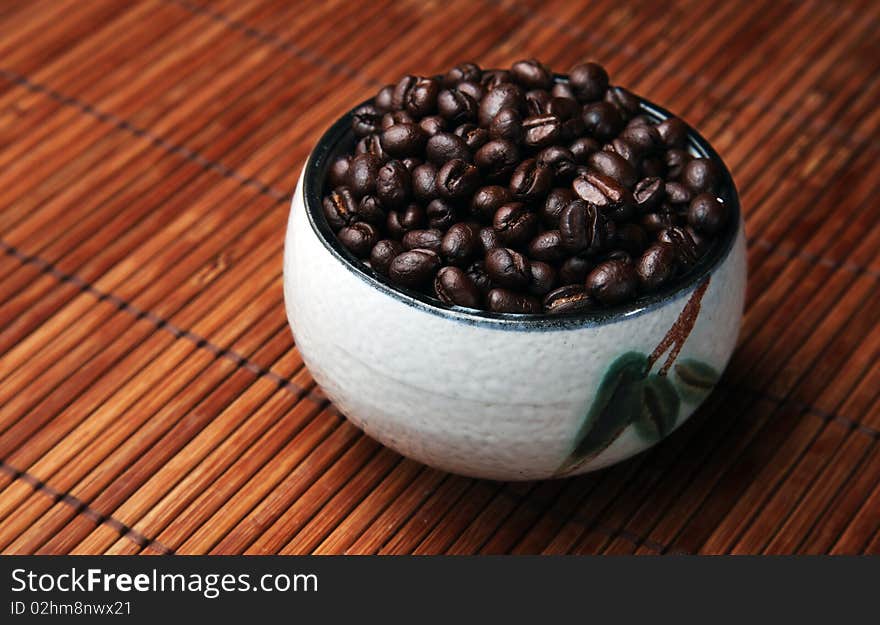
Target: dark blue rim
(339,137)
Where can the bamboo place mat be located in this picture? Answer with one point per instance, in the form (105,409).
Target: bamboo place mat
(151,397)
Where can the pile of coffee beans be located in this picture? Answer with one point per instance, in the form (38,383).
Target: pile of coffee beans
(509,191)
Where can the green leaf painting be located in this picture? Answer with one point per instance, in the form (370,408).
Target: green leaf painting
(630,394)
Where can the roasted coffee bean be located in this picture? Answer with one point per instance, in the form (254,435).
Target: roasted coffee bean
(567,300)
(404,140)
(547,247)
(506,125)
(392,118)
(614,166)
(366,120)
(605,193)
(514,224)
(506,301)
(657,221)
(656,266)
(383,253)
(460,244)
(370,209)
(488,239)
(675,161)
(476,271)
(359,238)
(441,213)
(687,251)
(456,106)
(701,175)
(492,78)
(497,159)
(472,88)
(393,186)
(372,144)
(414,268)
(558,159)
(473,136)
(707,214)
(582,148)
(699,239)
(649,193)
(487,200)
(337,175)
(454,287)
(572,129)
(540,131)
(411,218)
(508,268)
(626,151)
(677,193)
(530,180)
(562,108)
(625,102)
(362,174)
(531,74)
(643,137)
(427,239)
(384,98)
(563,90)
(537,101)
(612,282)
(432,124)
(445,146)
(457,179)
(340,208)
(557,199)
(424,184)
(504,95)
(400,95)
(653,166)
(630,238)
(543,278)
(589,81)
(618,255)
(574,270)
(421,100)
(411,162)
(602,120)
(462,72)
(582,228)
(673,132)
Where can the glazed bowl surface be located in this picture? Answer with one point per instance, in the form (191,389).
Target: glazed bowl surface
(501,396)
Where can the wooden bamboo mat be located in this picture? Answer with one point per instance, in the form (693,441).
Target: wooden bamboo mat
(151,397)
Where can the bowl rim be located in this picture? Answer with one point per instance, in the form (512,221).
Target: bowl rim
(314,173)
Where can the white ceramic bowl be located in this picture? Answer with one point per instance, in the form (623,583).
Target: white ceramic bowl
(499,396)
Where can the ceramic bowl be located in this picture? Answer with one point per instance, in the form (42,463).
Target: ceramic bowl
(501,396)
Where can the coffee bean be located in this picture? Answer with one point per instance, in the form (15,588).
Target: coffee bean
(359,238)
(563,90)
(537,101)
(589,81)
(371,210)
(508,268)
(400,95)
(626,151)
(656,266)
(673,132)
(472,88)
(563,109)
(612,282)
(531,74)
(421,100)
(462,72)
(648,193)
(456,106)
(505,301)
(543,278)
(473,136)
(567,300)
(560,160)
(372,144)
(677,193)
(441,213)
(393,185)
(497,159)
(337,175)
(366,120)
(530,180)
(340,208)
(414,268)
(507,125)
(457,179)
(602,120)
(707,214)
(557,199)
(574,270)
(362,174)
(657,221)
(687,251)
(445,146)
(460,244)
(488,239)
(476,271)
(605,193)
(643,137)
(454,287)
(675,161)
(624,101)
(404,140)
(547,247)
(399,223)
(432,124)
(514,224)
(487,200)
(582,148)
(383,253)
(618,255)
(701,175)
(504,95)
(631,238)
(653,166)
(424,185)
(582,228)
(426,239)
(540,131)
(384,98)
(614,166)
(392,118)
(492,78)
(411,162)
